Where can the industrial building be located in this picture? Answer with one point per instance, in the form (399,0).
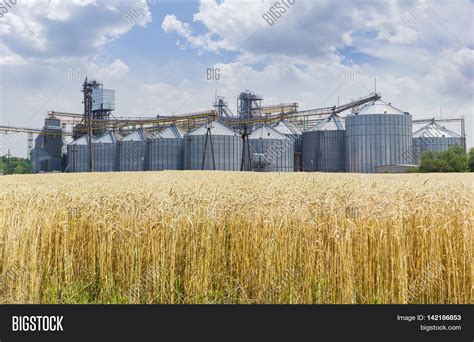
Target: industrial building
(296,136)
(324,146)
(47,154)
(366,135)
(213,146)
(271,151)
(165,149)
(377,134)
(433,137)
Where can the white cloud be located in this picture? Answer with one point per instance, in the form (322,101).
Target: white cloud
(115,70)
(68,28)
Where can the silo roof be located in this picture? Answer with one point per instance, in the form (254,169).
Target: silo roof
(379,107)
(267,132)
(217,128)
(108,138)
(332,123)
(434,130)
(84,140)
(286,128)
(136,135)
(167,132)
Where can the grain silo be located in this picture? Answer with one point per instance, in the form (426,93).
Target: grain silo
(378,134)
(295,135)
(324,146)
(214,143)
(131,152)
(433,137)
(165,149)
(47,154)
(271,151)
(78,155)
(104,153)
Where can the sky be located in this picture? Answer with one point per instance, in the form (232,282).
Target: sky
(156,55)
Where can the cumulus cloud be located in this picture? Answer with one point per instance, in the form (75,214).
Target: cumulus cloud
(115,70)
(67,28)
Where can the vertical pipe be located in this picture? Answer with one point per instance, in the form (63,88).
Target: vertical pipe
(205,148)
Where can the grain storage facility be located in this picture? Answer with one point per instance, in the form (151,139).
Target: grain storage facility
(165,149)
(78,155)
(377,134)
(433,137)
(295,135)
(217,144)
(47,154)
(271,151)
(104,153)
(324,146)
(131,152)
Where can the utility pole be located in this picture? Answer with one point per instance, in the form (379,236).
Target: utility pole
(87,90)
(8,161)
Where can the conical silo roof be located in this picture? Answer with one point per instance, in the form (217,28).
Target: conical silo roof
(108,138)
(84,140)
(181,131)
(170,132)
(332,123)
(434,130)
(379,107)
(167,132)
(136,135)
(267,132)
(217,128)
(284,127)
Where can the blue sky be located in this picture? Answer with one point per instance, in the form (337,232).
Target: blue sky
(318,50)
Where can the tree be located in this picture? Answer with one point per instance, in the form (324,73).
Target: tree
(471,159)
(452,160)
(15,165)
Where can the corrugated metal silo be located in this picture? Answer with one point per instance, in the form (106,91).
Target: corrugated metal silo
(47,154)
(131,152)
(378,134)
(324,146)
(227,146)
(271,151)
(78,155)
(165,149)
(295,135)
(104,153)
(433,137)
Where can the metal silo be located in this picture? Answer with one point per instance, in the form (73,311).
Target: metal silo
(132,150)
(165,149)
(271,151)
(78,155)
(104,153)
(47,154)
(295,135)
(324,146)
(378,134)
(433,137)
(215,143)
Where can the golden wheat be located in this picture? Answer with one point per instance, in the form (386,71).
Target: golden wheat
(210,237)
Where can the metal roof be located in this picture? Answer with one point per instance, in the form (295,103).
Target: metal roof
(167,132)
(434,130)
(267,132)
(84,140)
(286,128)
(332,123)
(108,138)
(379,107)
(217,128)
(135,136)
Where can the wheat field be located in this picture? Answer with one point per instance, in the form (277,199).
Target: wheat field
(216,237)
